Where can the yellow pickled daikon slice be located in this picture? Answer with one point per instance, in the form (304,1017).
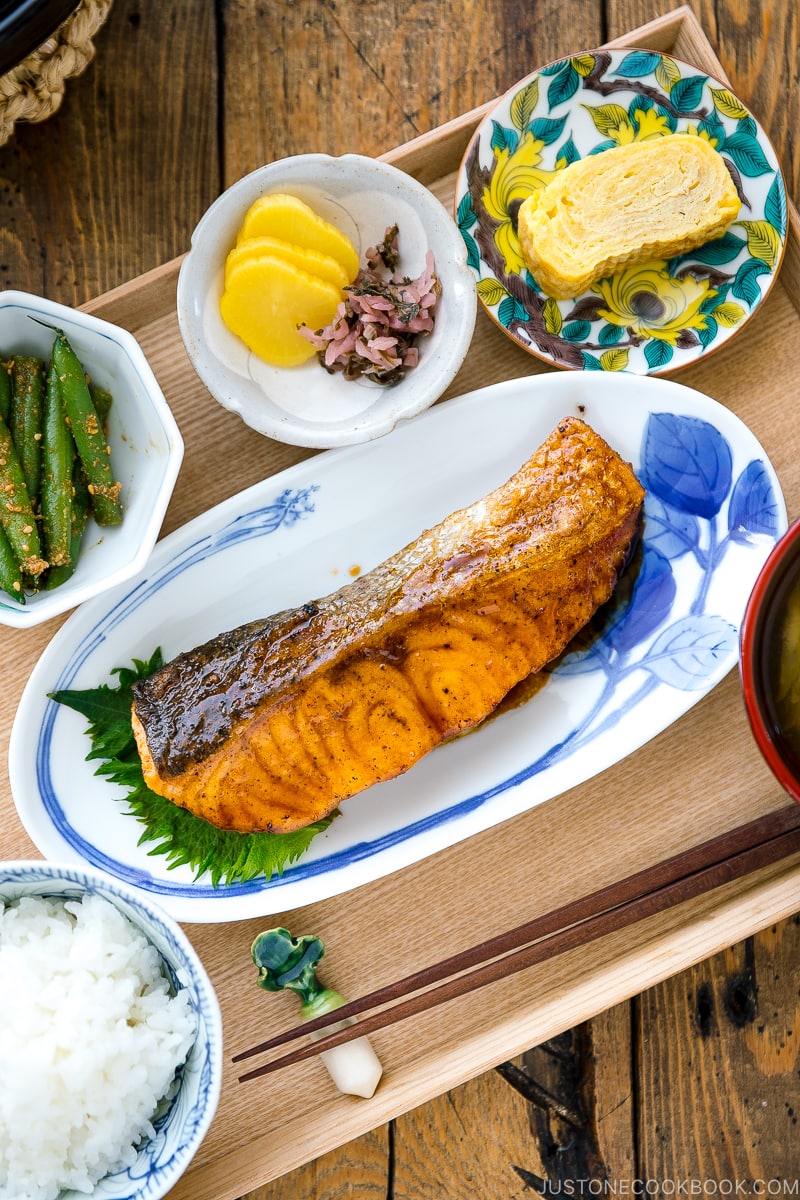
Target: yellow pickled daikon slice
(264,301)
(314,262)
(289,218)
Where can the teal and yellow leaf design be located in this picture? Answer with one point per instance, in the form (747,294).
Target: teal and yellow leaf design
(667,73)
(551,315)
(567,154)
(745,285)
(491,292)
(729,314)
(708,335)
(609,119)
(523,106)
(747,154)
(632,321)
(510,310)
(718,295)
(503,139)
(638,63)
(687,93)
(465,213)
(609,335)
(638,105)
(712,128)
(615,359)
(658,353)
(722,250)
(473,253)
(576,331)
(547,129)
(649,120)
(728,105)
(763,241)
(584,64)
(564,86)
(590,363)
(775,205)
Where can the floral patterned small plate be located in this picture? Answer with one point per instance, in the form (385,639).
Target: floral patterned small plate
(646,319)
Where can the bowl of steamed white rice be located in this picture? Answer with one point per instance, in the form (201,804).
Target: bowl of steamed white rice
(110,1041)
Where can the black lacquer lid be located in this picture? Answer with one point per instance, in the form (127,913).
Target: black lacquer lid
(25,26)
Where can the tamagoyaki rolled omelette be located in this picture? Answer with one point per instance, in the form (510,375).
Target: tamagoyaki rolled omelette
(270,726)
(630,204)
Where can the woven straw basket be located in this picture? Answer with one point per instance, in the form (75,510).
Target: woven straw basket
(34,88)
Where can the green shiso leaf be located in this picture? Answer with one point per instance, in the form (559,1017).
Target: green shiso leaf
(183,838)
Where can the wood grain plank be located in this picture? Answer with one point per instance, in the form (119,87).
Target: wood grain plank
(718,1054)
(363,1167)
(463,1144)
(363,76)
(92,195)
(615,1087)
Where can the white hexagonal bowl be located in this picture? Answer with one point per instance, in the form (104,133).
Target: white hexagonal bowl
(146,447)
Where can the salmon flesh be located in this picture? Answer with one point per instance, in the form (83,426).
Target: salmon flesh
(270,726)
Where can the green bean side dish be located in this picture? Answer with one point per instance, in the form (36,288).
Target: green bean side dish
(55,467)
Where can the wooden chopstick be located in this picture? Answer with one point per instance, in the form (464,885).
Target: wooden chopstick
(700,869)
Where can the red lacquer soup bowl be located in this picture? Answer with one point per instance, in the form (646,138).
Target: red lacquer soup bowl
(770,660)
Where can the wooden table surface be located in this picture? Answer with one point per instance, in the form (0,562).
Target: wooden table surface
(694,1086)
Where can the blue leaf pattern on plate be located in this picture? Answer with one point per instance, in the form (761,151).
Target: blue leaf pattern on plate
(686,468)
(653,598)
(670,531)
(752,512)
(686,653)
(687,464)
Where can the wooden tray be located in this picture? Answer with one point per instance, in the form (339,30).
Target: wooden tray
(701,778)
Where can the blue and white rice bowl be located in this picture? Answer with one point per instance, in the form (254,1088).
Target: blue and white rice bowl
(186,1111)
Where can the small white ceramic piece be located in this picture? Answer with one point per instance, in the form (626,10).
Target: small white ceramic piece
(306,405)
(181,1127)
(146,447)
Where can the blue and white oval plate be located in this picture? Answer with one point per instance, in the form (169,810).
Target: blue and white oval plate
(714,510)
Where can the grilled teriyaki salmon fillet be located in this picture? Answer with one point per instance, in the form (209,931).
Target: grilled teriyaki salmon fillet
(270,726)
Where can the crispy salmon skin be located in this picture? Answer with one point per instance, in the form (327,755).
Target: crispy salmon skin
(270,726)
